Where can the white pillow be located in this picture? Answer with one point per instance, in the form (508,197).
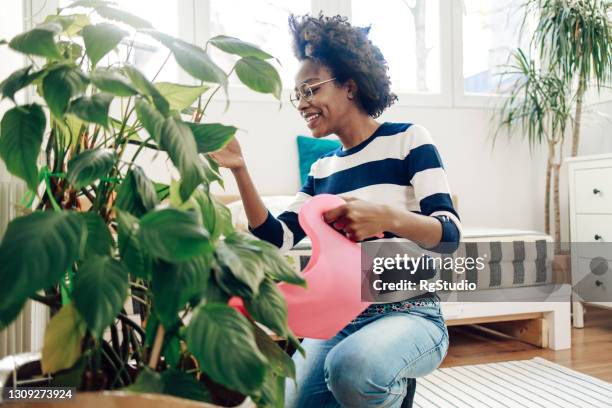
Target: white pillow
(275,204)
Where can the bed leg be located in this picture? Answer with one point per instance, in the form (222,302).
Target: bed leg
(558,326)
(578,314)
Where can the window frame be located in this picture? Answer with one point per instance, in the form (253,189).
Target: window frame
(462,99)
(452,93)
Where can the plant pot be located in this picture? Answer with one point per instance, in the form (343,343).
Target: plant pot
(25,369)
(120,399)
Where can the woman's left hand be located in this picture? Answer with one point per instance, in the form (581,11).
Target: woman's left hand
(359,219)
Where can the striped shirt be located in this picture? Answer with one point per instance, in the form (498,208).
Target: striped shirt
(398,165)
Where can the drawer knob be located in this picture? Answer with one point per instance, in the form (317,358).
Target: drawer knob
(598,237)
(598,283)
(596,191)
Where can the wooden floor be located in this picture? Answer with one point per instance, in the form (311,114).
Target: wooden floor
(591,351)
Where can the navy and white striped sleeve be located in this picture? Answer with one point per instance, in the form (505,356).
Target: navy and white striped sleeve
(428,178)
(285,231)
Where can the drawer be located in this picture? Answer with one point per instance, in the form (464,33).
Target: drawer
(593,228)
(593,190)
(592,282)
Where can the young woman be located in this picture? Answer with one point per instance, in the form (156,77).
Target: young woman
(397,185)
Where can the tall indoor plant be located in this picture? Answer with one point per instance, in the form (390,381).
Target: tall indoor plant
(539,104)
(574,38)
(570,52)
(97,231)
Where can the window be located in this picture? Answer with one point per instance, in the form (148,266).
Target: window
(491,31)
(148,55)
(408,34)
(264,23)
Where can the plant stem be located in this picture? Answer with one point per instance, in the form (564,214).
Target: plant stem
(549,164)
(143,144)
(162,66)
(577,119)
(157,344)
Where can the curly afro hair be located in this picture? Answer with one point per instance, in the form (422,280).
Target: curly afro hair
(348,52)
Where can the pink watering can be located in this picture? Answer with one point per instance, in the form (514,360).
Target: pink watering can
(332,297)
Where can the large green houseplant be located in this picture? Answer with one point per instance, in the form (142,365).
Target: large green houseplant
(97,231)
(574,39)
(570,52)
(539,104)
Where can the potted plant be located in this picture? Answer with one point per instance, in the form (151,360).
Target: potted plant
(573,43)
(98,233)
(539,104)
(574,38)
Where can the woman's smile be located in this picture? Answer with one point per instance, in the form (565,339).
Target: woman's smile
(312,119)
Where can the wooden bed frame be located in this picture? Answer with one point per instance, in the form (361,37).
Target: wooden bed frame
(544,324)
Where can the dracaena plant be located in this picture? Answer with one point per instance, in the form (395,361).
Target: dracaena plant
(98,234)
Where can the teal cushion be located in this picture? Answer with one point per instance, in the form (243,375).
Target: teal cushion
(310,149)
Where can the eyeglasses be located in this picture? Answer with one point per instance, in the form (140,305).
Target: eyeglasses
(305,91)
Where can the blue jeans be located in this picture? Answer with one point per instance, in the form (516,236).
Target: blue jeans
(372,362)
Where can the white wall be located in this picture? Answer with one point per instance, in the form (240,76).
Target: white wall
(499,187)
(502,187)
(11,23)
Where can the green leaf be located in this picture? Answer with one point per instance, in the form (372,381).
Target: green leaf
(36,251)
(173,235)
(178,141)
(150,118)
(63,337)
(276,265)
(216,218)
(39,41)
(146,87)
(180,96)
(211,137)
(130,250)
(280,362)
(184,385)
(99,240)
(173,285)
(238,47)
(71,24)
(145,188)
(88,3)
(259,75)
(193,59)
(113,82)
(272,392)
(70,50)
(243,262)
(136,194)
(100,39)
(130,19)
(21,134)
(170,382)
(89,166)
(148,381)
(222,341)
(60,85)
(99,290)
(93,109)
(269,307)
(18,80)
(162,190)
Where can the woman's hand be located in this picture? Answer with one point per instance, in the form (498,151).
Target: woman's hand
(230,156)
(360,219)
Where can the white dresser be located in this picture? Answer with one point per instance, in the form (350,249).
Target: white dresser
(590,216)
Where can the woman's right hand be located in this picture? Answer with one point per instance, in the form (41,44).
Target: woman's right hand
(230,156)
